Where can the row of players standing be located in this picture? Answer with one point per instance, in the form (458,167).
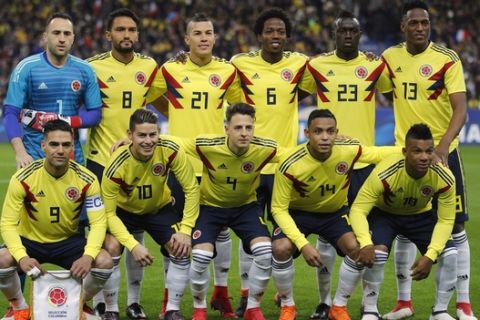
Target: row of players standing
(269,78)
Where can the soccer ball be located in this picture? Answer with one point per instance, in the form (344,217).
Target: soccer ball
(57,296)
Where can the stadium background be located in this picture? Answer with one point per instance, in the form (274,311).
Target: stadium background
(455,24)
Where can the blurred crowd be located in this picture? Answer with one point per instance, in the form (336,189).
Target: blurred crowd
(454,24)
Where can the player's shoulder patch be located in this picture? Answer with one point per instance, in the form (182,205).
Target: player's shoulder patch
(265,142)
(82,172)
(445,51)
(391,169)
(292,158)
(209,140)
(119,157)
(26,172)
(97,57)
(444,173)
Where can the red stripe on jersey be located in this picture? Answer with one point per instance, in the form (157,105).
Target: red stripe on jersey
(225,87)
(296,81)
(101,84)
(29,198)
(81,200)
(350,170)
(151,77)
(172,86)
(127,188)
(390,74)
(244,81)
(439,78)
(264,163)
(297,184)
(444,189)
(319,78)
(170,160)
(387,193)
(204,159)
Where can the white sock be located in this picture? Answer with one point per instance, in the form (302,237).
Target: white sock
(282,274)
(10,287)
(372,280)
(324,273)
(94,282)
(177,280)
(405,254)
(445,278)
(260,272)
(221,263)
(463,266)
(245,262)
(111,287)
(134,273)
(199,275)
(348,278)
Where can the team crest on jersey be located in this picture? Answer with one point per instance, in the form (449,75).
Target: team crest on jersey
(425,70)
(158,169)
(76,85)
(247,167)
(277,231)
(286,74)
(341,168)
(426,191)
(140,77)
(196,234)
(361,72)
(57,296)
(72,194)
(215,80)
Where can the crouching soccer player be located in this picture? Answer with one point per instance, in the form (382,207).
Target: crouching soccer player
(40,220)
(397,198)
(138,198)
(310,196)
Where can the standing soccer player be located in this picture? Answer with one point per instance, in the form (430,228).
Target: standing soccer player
(137,198)
(40,218)
(397,198)
(270,80)
(47,86)
(345,82)
(428,86)
(231,167)
(124,77)
(197,91)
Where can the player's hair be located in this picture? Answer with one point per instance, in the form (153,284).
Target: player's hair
(240,108)
(198,17)
(60,15)
(270,13)
(56,125)
(121,12)
(419,131)
(320,113)
(345,14)
(414,4)
(142,116)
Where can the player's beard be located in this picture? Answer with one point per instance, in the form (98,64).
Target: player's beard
(121,49)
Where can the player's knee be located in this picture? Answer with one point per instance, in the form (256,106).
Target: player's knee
(6,259)
(282,249)
(458,227)
(103,260)
(113,247)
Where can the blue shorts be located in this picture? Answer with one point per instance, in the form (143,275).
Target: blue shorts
(245,221)
(63,253)
(358,178)
(418,228)
(264,195)
(160,225)
(96,168)
(330,226)
(456,166)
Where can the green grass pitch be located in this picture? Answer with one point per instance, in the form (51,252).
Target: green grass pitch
(305,290)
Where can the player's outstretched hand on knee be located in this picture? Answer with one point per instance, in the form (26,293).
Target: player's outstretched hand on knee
(81,267)
(366,256)
(312,256)
(181,244)
(142,256)
(421,268)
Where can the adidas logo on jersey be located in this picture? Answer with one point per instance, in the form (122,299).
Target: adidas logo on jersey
(399,69)
(222,166)
(400,190)
(40,194)
(330,73)
(186,80)
(111,79)
(312,178)
(42,86)
(256,76)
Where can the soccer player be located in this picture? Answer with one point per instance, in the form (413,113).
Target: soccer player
(310,196)
(231,167)
(124,77)
(428,86)
(47,86)
(138,198)
(345,81)
(397,198)
(197,91)
(270,80)
(40,218)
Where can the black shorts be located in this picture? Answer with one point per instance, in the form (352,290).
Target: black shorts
(245,221)
(358,178)
(264,195)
